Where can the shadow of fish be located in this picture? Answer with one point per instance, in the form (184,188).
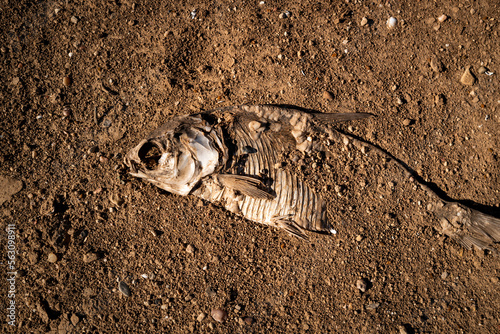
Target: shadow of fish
(231,156)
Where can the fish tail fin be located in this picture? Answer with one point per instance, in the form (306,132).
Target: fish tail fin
(470,227)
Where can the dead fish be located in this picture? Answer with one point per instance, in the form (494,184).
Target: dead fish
(231,156)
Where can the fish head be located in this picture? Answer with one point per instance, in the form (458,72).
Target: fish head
(177,156)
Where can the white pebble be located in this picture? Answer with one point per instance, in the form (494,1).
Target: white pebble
(391,22)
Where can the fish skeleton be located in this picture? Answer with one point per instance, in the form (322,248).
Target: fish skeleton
(231,156)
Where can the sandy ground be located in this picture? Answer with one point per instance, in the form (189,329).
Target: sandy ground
(97,251)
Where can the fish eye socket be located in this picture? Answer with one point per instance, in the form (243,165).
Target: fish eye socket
(150,154)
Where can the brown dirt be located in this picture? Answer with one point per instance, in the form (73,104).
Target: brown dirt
(135,65)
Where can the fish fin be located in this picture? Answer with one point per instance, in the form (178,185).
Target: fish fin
(469,227)
(341,116)
(247,185)
(291,226)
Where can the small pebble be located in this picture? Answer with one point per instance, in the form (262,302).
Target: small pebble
(285,15)
(219,315)
(67,81)
(436,64)
(406,121)
(90,257)
(52,258)
(103,159)
(74,20)
(364,21)
(328,96)
(210,292)
(248,320)
(124,289)
(75,319)
(359,238)
(391,22)
(201,317)
(190,249)
(467,78)
(362,285)
(444,275)
(482,70)
(372,306)
(66,111)
(442,18)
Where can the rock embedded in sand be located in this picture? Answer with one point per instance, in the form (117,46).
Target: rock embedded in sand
(436,64)
(219,315)
(201,317)
(467,78)
(190,249)
(124,289)
(90,257)
(9,187)
(328,96)
(52,258)
(362,285)
(442,18)
(67,81)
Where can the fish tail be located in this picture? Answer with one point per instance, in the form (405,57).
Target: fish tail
(469,227)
